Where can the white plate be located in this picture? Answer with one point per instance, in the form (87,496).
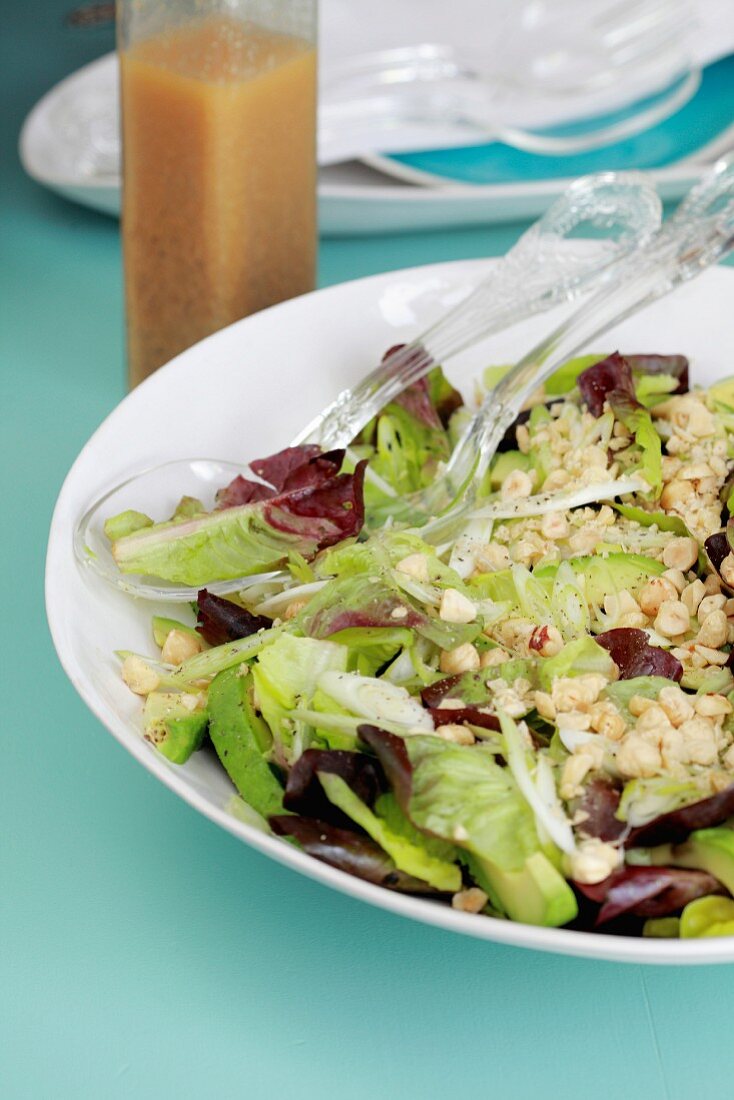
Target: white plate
(246,384)
(353,198)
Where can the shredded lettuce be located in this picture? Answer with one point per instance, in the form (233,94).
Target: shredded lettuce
(639,422)
(538,792)
(286,675)
(645,799)
(375,700)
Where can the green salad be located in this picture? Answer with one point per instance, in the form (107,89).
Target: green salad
(533,722)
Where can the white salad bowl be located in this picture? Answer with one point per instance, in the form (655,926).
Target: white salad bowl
(245,392)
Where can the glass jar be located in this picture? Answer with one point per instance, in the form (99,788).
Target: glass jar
(219,165)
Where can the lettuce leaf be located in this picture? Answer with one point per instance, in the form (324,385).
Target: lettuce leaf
(348,851)
(566,377)
(648,891)
(645,799)
(249,538)
(220,620)
(286,675)
(639,422)
(462,795)
(662,520)
(621,691)
(403,844)
(634,656)
(577,658)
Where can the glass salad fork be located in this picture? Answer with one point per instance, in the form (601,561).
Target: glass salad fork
(597,222)
(699,234)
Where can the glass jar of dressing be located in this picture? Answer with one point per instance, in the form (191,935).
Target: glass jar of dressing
(219,165)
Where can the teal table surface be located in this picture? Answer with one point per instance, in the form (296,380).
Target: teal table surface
(145,953)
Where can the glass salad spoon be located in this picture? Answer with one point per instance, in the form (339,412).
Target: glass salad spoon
(594,225)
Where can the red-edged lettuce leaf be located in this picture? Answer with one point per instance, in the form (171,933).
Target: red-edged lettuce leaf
(448,688)
(376,609)
(648,891)
(393,756)
(599,802)
(675,365)
(326,513)
(472,716)
(242,491)
(220,621)
(293,468)
(631,651)
(675,827)
(451,687)
(278,468)
(348,851)
(612,375)
(254,537)
(432,399)
(416,400)
(319,470)
(304,794)
(375,602)
(718,547)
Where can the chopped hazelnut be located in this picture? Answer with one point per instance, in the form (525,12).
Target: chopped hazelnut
(681,553)
(714,630)
(462,659)
(672,618)
(456,607)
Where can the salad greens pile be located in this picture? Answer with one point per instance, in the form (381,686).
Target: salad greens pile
(533,722)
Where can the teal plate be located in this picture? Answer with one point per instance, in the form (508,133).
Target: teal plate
(701,121)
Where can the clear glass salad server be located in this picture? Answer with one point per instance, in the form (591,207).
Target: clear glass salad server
(596,221)
(559,51)
(700,233)
(618,211)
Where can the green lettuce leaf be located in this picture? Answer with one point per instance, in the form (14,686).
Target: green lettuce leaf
(371,647)
(463,796)
(621,691)
(639,422)
(577,658)
(404,845)
(224,545)
(645,799)
(661,520)
(564,379)
(651,389)
(286,676)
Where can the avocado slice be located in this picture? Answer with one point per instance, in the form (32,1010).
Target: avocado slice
(709,850)
(707,916)
(175,722)
(536,894)
(241,739)
(162,627)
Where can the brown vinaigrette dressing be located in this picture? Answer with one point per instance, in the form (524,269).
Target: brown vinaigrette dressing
(219,214)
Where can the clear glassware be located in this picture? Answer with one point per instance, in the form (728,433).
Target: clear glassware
(219,165)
